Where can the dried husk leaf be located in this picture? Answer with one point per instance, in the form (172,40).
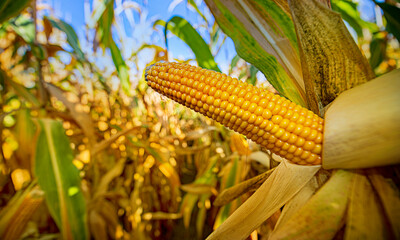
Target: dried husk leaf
(297,202)
(362,125)
(365,216)
(23,214)
(331,60)
(389,196)
(229,194)
(282,185)
(322,216)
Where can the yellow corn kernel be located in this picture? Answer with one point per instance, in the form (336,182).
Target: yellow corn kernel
(286,129)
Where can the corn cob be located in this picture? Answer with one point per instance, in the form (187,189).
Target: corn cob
(281,126)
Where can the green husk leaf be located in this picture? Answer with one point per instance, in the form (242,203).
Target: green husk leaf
(264,36)
(185,31)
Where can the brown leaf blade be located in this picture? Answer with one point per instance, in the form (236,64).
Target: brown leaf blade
(332,62)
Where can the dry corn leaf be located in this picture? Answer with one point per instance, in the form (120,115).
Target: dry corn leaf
(389,196)
(161,216)
(240,145)
(282,185)
(198,188)
(365,216)
(16,214)
(108,177)
(229,194)
(322,216)
(169,172)
(107,142)
(81,117)
(97,226)
(331,60)
(297,202)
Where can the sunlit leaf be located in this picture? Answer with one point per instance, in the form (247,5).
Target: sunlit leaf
(182,29)
(264,36)
(59,179)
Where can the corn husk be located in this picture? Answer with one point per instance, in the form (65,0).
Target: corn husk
(322,216)
(362,126)
(285,182)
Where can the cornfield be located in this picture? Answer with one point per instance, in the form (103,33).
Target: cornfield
(108,133)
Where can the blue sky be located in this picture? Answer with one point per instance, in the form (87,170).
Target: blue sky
(73,12)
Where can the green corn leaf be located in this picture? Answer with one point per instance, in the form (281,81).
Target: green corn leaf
(24,27)
(349,13)
(391,14)
(182,29)
(59,179)
(104,15)
(11,8)
(121,66)
(72,37)
(264,36)
(377,47)
(20,90)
